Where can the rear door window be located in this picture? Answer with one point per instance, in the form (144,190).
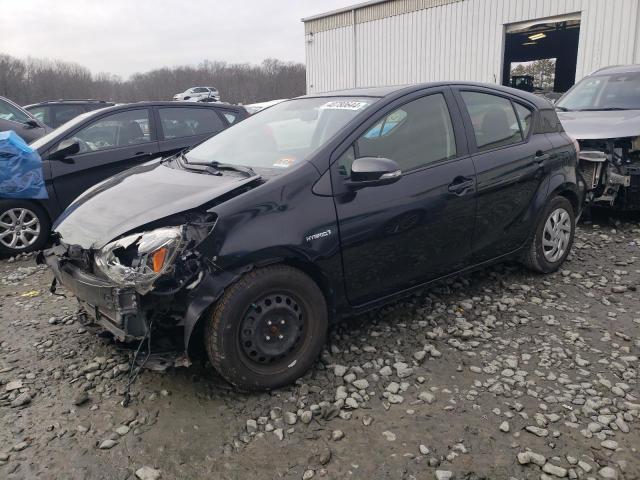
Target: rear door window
(524,115)
(63,113)
(494,120)
(185,122)
(89,107)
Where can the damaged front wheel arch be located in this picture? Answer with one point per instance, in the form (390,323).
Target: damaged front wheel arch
(267,329)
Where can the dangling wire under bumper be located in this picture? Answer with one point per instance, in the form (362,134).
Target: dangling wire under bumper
(133,371)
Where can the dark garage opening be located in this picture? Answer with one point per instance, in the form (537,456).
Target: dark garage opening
(544,50)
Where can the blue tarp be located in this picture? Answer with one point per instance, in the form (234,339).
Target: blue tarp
(20,169)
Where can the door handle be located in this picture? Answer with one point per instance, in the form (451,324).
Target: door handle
(141,154)
(541,156)
(460,185)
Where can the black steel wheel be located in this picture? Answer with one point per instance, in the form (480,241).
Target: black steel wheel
(272,328)
(267,329)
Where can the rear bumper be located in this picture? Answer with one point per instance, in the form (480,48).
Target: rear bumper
(114,308)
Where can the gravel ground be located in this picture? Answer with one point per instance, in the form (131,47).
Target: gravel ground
(498,375)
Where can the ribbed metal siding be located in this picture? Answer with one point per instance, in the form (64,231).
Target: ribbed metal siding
(463,41)
(330,62)
(368,13)
(396,7)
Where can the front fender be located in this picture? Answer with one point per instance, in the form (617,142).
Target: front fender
(208,291)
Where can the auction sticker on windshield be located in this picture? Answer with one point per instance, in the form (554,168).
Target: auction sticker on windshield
(344,105)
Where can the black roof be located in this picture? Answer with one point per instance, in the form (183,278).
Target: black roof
(614,69)
(145,103)
(404,89)
(75,101)
(120,106)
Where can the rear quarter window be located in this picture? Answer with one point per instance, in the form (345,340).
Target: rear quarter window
(548,122)
(231,117)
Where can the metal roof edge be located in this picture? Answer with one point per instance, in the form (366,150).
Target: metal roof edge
(342,10)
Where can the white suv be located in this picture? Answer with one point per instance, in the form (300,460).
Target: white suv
(198,94)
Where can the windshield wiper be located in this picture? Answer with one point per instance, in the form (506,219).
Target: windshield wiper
(215,167)
(562,109)
(602,109)
(236,168)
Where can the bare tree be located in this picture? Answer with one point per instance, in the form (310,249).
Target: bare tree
(32,80)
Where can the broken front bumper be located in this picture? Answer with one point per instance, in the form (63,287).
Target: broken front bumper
(114,308)
(128,314)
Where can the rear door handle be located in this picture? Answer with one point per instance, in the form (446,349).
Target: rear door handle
(460,185)
(541,156)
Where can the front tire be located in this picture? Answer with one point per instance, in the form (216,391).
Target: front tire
(267,329)
(553,237)
(24,227)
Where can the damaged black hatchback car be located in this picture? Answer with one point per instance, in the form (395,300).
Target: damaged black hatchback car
(316,208)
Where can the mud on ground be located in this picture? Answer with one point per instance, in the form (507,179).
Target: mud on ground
(502,374)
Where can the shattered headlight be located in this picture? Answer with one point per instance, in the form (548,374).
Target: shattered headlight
(139,259)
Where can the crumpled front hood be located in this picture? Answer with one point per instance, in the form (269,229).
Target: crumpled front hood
(601,125)
(136,197)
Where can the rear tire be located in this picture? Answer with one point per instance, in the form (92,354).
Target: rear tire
(24,227)
(267,329)
(553,237)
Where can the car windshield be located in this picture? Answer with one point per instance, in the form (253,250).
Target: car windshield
(283,135)
(61,130)
(620,91)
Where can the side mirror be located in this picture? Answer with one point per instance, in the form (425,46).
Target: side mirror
(373,171)
(67,147)
(31,123)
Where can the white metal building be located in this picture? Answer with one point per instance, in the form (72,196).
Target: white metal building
(390,42)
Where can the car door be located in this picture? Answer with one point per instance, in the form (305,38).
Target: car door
(185,126)
(509,161)
(397,236)
(108,144)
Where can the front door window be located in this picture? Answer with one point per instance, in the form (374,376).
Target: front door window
(118,130)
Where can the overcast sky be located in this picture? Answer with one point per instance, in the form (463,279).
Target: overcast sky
(127,36)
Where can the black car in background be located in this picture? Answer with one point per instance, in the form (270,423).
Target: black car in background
(316,208)
(98,144)
(13,117)
(54,113)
